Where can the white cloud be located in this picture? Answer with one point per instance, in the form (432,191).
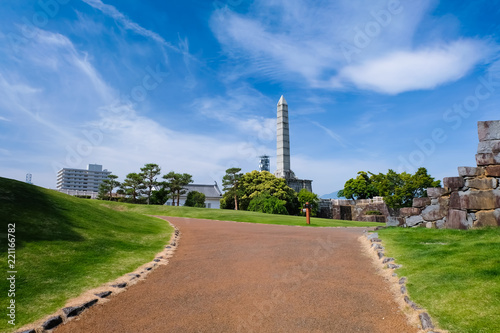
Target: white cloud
(306,40)
(423,69)
(68,112)
(126,22)
(243,109)
(129,141)
(295,36)
(266,48)
(74,86)
(17,99)
(331,133)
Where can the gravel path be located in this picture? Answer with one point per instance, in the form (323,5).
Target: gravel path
(242,277)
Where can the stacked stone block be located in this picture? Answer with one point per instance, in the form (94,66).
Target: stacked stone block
(470,200)
(357,210)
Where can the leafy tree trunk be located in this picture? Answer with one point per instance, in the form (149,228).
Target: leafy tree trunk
(235,202)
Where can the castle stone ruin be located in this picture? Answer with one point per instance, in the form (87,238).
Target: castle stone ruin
(470,200)
(355,210)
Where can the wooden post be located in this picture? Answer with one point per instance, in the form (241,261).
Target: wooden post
(308,213)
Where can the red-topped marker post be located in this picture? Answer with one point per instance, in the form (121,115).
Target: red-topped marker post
(307,208)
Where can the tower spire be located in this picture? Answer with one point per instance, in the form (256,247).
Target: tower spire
(282,100)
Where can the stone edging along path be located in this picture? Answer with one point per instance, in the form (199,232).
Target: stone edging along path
(77,306)
(386,266)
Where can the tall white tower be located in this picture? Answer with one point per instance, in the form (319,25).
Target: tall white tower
(283,142)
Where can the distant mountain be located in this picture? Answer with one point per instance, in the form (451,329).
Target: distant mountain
(332,195)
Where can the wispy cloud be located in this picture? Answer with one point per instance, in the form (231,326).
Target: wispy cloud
(423,69)
(132,140)
(127,23)
(183,43)
(58,115)
(330,133)
(243,109)
(17,98)
(302,41)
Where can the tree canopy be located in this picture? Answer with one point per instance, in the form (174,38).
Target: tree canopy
(133,186)
(149,173)
(398,189)
(306,196)
(361,187)
(107,186)
(254,183)
(230,183)
(144,186)
(195,199)
(266,203)
(176,183)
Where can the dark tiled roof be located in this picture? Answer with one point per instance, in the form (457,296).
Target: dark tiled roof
(210,191)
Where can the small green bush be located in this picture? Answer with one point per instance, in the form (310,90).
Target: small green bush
(266,203)
(195,199)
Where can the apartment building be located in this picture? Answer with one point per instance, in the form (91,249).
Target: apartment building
(80,179)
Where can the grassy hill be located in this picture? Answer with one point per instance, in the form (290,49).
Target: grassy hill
(66,245)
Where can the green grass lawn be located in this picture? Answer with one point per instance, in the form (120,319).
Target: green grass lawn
(232,215)
(66,245)
(454,274)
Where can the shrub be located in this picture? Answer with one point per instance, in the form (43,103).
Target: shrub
(195,199)
(266,203)
(306,196)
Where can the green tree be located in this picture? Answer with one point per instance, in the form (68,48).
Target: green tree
(133,186)
(107,186)
(360,187)
(253,183)
(149,173)
(266,203)
(398,189)
(195,199)
(160,196)
(176,184)
(230,183)
(306,196)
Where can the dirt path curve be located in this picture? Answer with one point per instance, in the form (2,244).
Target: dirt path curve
(242,277)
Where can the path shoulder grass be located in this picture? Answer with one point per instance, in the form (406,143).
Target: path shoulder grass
(454,274)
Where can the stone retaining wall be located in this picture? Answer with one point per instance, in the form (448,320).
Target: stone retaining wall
(470,200)
(354,210)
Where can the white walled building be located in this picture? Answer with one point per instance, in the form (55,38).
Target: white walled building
(80,179)
(212,195)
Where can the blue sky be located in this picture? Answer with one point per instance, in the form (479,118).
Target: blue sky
(193,85)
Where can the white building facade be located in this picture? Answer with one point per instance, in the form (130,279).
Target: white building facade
(82,180)
(212,195)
